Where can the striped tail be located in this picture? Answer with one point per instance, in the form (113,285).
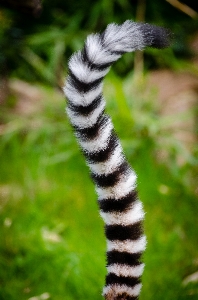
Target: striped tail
(115,180)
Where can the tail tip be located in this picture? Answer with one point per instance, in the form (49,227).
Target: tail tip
(156,36)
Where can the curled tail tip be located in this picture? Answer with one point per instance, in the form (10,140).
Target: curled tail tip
(156,36)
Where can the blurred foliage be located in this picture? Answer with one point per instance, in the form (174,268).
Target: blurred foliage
(38,48)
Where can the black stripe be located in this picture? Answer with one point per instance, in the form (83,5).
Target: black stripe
(83,87)
(112,178)
(101,67)
(122,233)
(102,155)
(118,52)
(93,66)
(118,205)
(124,258)
(85,110)
(92,131)
(112,278)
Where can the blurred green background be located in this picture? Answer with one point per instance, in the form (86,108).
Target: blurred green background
(52,243)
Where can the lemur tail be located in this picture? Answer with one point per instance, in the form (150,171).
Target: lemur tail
(115,180)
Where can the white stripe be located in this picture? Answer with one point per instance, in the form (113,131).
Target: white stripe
(116,289)
(79,98)
(131,216)
(82,71)
(101,140)
(121,189)
(85,121)
(110,165)
(97,53)
(126,37)
(125,270)
(127,245)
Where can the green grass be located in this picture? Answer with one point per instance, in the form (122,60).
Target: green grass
(52,242)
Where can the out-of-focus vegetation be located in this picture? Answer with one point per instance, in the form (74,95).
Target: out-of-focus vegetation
(52,244)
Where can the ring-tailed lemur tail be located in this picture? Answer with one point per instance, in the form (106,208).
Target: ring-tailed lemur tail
(115,181)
